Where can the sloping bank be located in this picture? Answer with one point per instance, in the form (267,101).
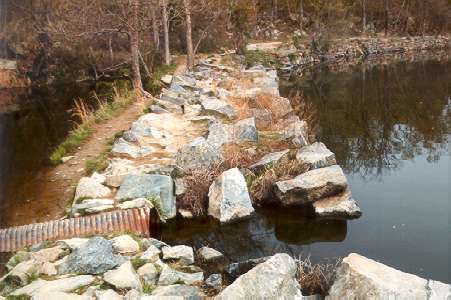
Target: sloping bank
(226,129)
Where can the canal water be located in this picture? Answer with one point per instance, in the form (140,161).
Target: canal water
(389,126)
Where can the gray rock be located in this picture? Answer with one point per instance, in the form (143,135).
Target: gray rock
(157,109)
(228,197)
(180,187)
(107,295)
(153,242)
(242,131)
(275,278)
(148,273)
(143,126)
(152,253)
(177,291)
(198,155)
(90,188)
(125,244)
(359,277)
(268,160)
(183,254)
(297,130)
(88,205)
(340,206)
(311,186)
(60,285)
(170,276)
(92,257)
(209,254)
(234,270)
(166,79)
(316,156)
(216,106)
(124,277)
(121,146)
(158,187)
(116,171)
(219,134)
(136,203)
(245,131)
(214,281)
(263,117)
(184,81)
(74,242)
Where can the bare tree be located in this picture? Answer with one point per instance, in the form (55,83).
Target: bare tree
(386,17)
(364,15)
(134,46)
(189,35)
(164,12)
(155,27)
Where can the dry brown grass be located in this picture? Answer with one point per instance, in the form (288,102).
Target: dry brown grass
(198,182)
(305,110)
(316,278)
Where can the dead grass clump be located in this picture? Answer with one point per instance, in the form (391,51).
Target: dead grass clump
(316,278)
(262,186)
(198,182)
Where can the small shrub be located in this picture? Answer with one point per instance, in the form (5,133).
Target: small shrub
(154,85)
(316,278)
(148,288)
(138,262)
(257,57)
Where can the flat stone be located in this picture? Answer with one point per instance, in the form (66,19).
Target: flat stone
(177,291)
(74,242)
(198,154)
(166,79)
(60,285)
(152,253)
(245,131)
(157,109)
(228,197)
(275,278)
(90,188)
(234,270)
(116,171)
(50,254)
(359,277)
(125,244)
(92,257)
(311,186)
(316,156)
(158,187)
(297,131)
(60,296)
(144,126)
(268,160)
(216,106)
(147,242)
(183,254)
(170,276)
(136,203)
(121,146)
(263,117)
(90,205)
(209,254)
(340,206)
(148,273)
(108,295)
(123,277)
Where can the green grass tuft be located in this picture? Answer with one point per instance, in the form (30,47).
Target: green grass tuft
(154,85)
(138,262)
(257,57)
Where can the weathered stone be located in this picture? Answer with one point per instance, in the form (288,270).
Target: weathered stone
(177,291)
(359,277)
(265,47)
(148,273)
(214,281)
(158,187)
(143,127)
(280,107)
(166,79)
(275,278)
(136,203)
(116,171)
(90,205)
(263,117)
(147,242)
(124,277)
(316,156)
(209,254)
(50,254)
(219,134)
(234,270)
(133,295)
(341,206)
(185,213)
(152,253)
(59,285)
(268,160)
(60,296)
(170,276)
(216,106)
(93,257)
(107,295)
(180,187)
(90,188)
(228,197)
(245,131)
(100,178)
(74,242)
(311,186)
(297,130)
(21,272)
(121,146)
(157,109)
(183,254)
(197,155)
(125,244)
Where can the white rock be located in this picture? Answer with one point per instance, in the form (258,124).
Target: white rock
(275,278)
(166,78)
(60,296)
(209,254)
(170,276)
(74,242)
(136,203)
(59,285)
(123,277)
(116,171)
(316,155)
(148,273)
(342,205)
(183,254)
(65,159)
(125,244)
(152,253)
(359,277)
(108,295)
(90,188)
(228,197)
(100,178)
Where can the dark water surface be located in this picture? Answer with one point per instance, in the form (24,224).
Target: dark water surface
(389,126)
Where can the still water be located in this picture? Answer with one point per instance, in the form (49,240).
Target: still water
(390,127)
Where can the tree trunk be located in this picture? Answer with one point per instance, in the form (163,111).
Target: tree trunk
(386,17)
(189,37)
(156,32)
(134,47)
(167,55)
(364,15)
(301,13)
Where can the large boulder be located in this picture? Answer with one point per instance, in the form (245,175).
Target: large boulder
(198,154)
(220,107)
(158,187)
(90,188)
(228,197)
(359,277)
(316,156)
(275,278)
(242,131)
(340,206)
(268,160)
(183,254)
(311,186)
(92,257)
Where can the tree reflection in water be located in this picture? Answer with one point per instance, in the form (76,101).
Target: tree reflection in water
(374,117)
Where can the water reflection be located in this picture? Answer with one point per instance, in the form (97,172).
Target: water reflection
(264,234)
(374,117)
